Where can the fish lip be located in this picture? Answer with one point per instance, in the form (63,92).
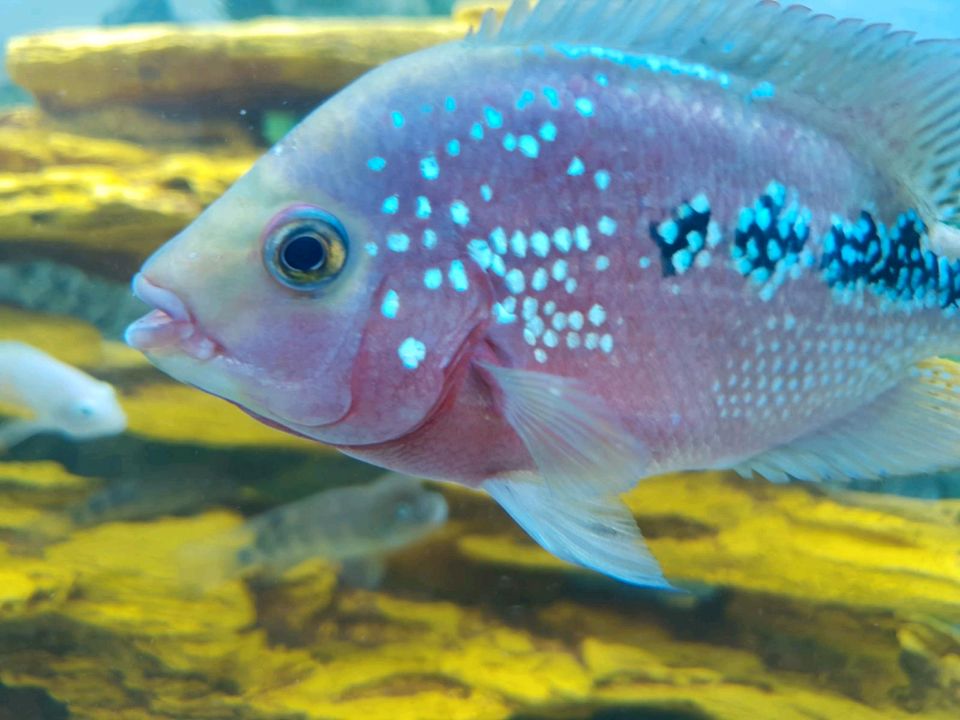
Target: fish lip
(168,326)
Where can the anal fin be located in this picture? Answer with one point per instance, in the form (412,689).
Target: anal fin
(911,429)
(597,533)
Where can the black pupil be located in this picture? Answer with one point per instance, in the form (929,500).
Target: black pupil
(304,253)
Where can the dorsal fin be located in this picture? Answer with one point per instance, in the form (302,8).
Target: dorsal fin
(901,94)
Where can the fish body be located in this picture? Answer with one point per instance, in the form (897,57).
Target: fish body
(345,525)
(60,397)
(602,241)
(182,490)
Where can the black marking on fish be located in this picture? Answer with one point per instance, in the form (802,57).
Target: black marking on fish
(687,233)
(769,234)
(892,262)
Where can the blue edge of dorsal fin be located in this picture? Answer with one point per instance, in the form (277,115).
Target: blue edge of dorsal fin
(845,75)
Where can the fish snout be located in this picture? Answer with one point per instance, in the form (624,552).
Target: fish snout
(169,326)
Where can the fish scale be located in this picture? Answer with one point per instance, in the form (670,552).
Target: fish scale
(594,242)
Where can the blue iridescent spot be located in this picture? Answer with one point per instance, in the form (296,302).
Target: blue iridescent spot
(430,168)
(453,148)
(429,239)
(518,244)
(433,278)
(601,79)
(515,282)
(493,117)
(552,96)
(391,205)
(476,131)
(481,253)
(503,315)
(602,179)
(540,280)
(563,239)
(460,213)
(377,164)
(457,276)
(398,242)
(486,192)
(397,118)
(559,271)
(540,244)
(510,142)
(529,146)
(582,238)
(576,167)
(682,260)
(763,91)
(607,225)
(423,207)
(525,100)
(412,352)
(548,131)
(499,239)
(597,315)
(371,249)
(602,263)
(450,104)
(391,304)
(584,107)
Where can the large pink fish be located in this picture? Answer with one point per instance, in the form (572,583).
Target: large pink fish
(599,241)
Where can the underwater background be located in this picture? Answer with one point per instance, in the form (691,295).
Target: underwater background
(201,565)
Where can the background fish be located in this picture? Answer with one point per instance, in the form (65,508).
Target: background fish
(603,241)
(60,398)
(353,525)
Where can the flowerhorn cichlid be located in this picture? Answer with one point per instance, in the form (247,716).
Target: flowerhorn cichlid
(61,398)
(598,241)
(353,525)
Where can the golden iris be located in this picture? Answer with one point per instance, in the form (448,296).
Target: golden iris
(306,254)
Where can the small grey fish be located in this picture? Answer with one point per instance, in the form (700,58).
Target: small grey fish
(184,491)
(346,525)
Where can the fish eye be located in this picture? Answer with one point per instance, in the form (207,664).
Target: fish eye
(307,251)
(403,511)
(86,411)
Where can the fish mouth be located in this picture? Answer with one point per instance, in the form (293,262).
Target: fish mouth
(169,326)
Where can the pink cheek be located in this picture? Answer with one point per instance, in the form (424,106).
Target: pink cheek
(293,343)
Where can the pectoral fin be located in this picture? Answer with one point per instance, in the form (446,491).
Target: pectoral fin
(596,533)
(580,446)
(363,572)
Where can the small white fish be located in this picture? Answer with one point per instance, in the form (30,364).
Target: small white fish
(354,526)
(61,398)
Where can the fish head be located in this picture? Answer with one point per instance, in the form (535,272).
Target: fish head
(402,511)
(300,294)
(90,410)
